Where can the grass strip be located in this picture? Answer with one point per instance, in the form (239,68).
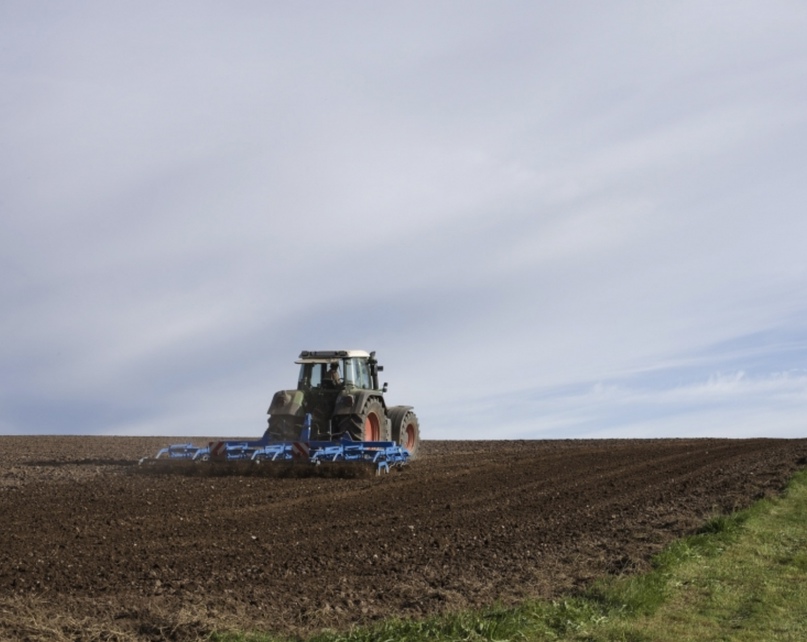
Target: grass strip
(742,577)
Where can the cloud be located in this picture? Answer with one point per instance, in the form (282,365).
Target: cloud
(549,221)
(725,405)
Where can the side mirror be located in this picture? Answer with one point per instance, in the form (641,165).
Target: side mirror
(384,389)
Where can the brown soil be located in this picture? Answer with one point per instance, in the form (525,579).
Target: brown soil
(93,549)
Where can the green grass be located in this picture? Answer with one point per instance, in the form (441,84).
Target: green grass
(742,577)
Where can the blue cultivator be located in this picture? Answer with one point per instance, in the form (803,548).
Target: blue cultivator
(183,452)
(380,455)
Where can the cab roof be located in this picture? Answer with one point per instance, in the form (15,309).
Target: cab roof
(326,356)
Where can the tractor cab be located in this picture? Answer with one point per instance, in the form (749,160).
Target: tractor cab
(338,369)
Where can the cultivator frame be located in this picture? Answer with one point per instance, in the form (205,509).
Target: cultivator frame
(379,456)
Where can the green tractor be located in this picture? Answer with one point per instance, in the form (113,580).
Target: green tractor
(339,389)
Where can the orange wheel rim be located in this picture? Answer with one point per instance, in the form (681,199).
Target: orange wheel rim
(372,428)
(410,436)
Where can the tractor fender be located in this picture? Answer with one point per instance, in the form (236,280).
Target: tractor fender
(287,402)
(352,403)
(396,414)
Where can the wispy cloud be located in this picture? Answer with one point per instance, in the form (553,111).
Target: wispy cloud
(549,222)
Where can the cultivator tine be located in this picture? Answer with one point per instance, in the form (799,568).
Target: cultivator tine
(382,454)
(272,452)
(180,452)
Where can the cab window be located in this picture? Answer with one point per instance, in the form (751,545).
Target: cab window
(363,374)
(310,376)
(350,372)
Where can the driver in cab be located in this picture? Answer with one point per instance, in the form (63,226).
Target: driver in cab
(333,374)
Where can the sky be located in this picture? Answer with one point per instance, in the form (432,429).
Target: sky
(550,220)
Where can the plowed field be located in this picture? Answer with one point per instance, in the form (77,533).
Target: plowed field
(93,548)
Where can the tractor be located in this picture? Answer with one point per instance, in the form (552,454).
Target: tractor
(339,390)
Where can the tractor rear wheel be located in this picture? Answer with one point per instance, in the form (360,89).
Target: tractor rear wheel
(369,425)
